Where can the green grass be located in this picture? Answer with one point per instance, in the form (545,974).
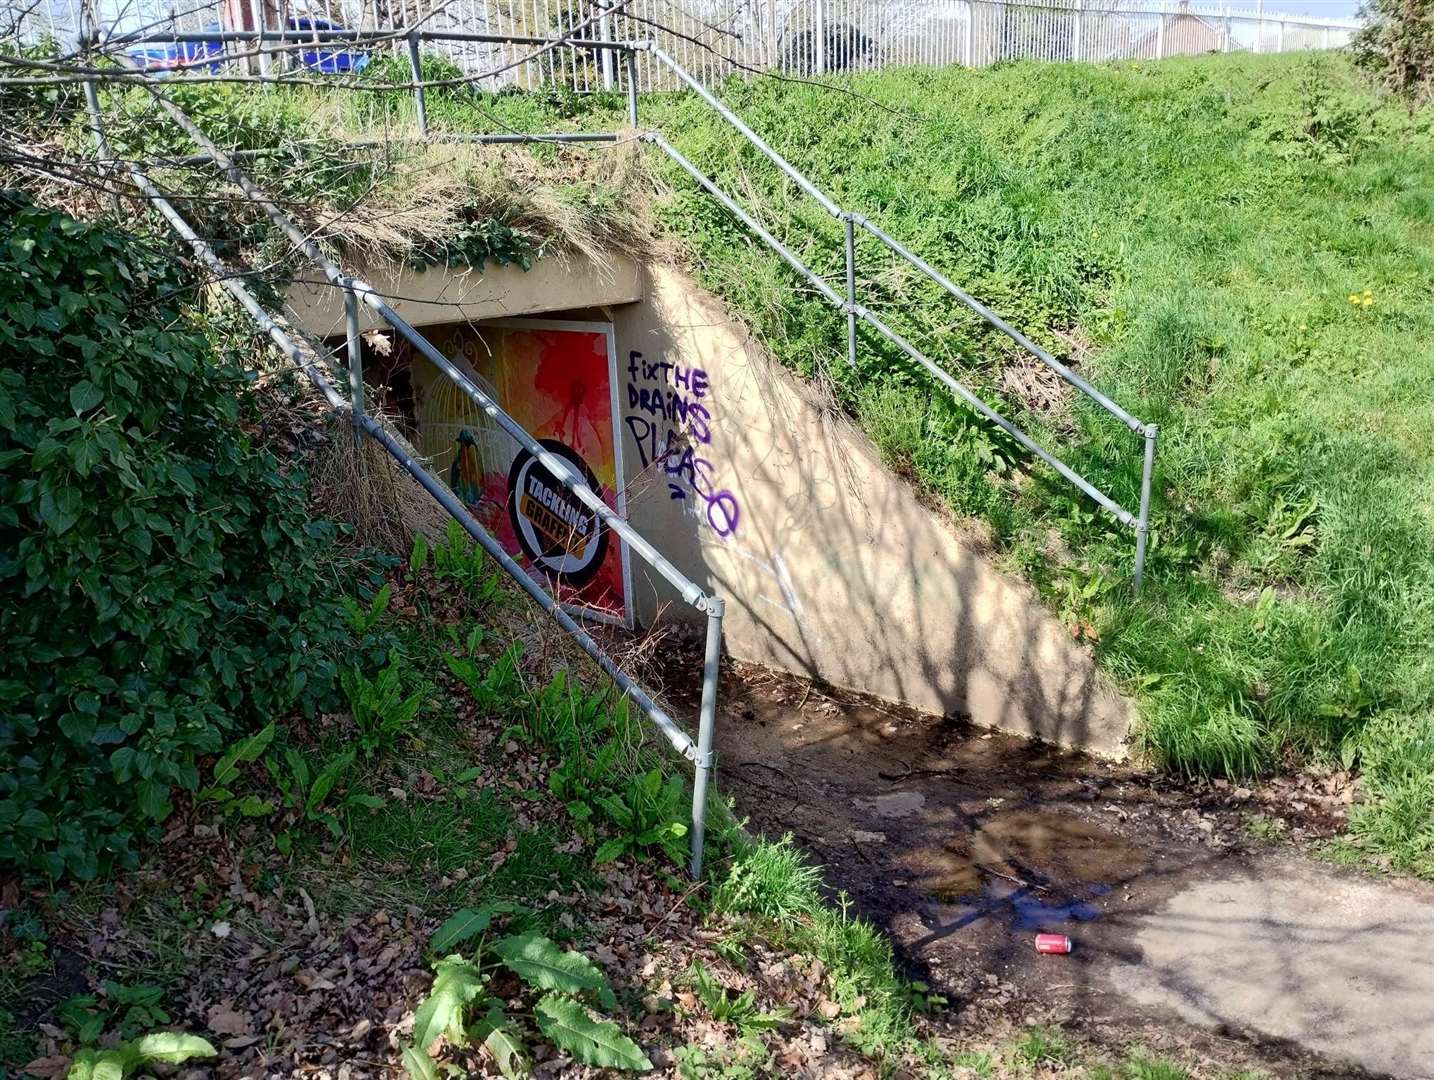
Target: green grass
(1177,219)
(772,883)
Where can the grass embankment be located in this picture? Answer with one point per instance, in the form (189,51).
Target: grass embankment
(1236,248)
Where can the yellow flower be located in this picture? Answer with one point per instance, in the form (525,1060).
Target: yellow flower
(1369,301)
(1354,298)
(1303,328)
(1368,292)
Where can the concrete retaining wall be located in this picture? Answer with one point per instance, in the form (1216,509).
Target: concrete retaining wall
(831,565)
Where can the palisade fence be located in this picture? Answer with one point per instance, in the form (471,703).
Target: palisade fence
(714,39)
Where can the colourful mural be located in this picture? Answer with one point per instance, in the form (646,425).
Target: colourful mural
(557,380)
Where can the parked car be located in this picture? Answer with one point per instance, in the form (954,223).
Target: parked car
(331,60)
(162,56)
(208,55)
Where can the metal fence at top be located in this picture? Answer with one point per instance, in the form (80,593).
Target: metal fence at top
(714,39)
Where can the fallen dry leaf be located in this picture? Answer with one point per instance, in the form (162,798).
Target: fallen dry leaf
(224,1019)
(48,1067)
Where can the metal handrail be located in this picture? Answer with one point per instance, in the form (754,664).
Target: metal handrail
(1139,521)
(699,751)
(356,291)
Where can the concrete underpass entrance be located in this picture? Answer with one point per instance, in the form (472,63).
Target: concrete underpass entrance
(833,567)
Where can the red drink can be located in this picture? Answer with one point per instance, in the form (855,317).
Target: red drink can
(1053,943)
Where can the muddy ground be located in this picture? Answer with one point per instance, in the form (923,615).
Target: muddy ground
(963,844)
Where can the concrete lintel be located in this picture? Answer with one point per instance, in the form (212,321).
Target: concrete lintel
(441,294)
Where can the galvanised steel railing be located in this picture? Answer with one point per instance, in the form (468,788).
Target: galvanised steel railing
(356,291)
(1138,521)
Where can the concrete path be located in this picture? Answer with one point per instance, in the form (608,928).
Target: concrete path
(1190,937)
(1341,964)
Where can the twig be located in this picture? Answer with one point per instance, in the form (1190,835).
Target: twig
(954,770)
(1017,881)
(673,911)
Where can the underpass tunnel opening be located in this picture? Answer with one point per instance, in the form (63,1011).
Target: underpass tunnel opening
(556,375)
(834,567)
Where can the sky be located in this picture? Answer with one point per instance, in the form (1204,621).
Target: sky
(1330,9)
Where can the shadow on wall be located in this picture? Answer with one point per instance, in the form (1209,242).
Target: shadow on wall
(831,566)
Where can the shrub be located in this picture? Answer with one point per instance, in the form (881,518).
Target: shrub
(162,587)
(1396,46)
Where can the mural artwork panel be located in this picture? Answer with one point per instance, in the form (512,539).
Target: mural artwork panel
(558,380)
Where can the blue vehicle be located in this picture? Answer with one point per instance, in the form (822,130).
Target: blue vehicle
(208,55)
(329,61)
(164,56)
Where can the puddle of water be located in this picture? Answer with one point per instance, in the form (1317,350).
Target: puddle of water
(1032,911)
(894,804)
(1033,870)
(1052,849)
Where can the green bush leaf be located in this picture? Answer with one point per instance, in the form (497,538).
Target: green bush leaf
(460,927)
(245,751)
(418,1064)
(456,983)
(507,1053)
(85,395)
(101,1064)
(172,1047)
(593,1042)
(610,850)
(538,962)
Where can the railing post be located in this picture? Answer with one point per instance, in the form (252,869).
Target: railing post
(1229,42)
(256,9)
(1280,38)
(707,720)
(415,64)
(969,32)
(1079,18)
(850,289)
(355,359)
(1142,523)
(821,35)
(1160,38)
(772,64)
(605,32)
(631,56)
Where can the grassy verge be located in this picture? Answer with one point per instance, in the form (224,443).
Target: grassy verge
(1233,247)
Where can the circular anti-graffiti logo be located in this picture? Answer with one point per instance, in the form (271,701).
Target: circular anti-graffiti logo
(561,535)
